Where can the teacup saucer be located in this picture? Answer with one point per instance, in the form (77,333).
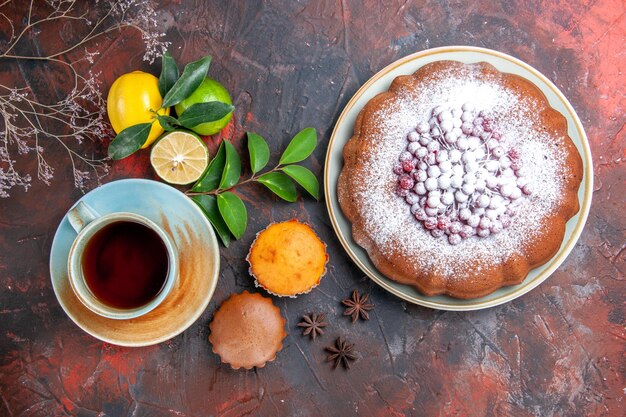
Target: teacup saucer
(199,262)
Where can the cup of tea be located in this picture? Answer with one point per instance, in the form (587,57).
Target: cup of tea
(121,265)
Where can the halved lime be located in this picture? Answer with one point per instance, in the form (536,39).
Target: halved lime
(179,157)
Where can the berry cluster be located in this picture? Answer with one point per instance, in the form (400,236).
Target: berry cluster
(458,176)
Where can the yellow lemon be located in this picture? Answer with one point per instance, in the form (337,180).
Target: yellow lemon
(130,101)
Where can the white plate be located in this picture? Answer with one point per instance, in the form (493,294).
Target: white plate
(380,83)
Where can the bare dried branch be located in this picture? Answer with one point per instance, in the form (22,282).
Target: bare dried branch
(28,126)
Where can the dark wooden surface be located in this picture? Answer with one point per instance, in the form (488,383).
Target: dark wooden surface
(557,351)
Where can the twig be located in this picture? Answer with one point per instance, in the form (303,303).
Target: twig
(25,123)
(253,178)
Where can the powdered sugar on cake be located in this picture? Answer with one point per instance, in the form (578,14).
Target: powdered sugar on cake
(383,194)
(459,177)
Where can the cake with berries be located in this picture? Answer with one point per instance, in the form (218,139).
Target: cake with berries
(460,179)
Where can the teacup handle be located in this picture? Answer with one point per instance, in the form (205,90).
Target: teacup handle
(81,215)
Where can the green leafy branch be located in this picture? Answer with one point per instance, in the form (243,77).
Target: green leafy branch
(224,209)
(173,89)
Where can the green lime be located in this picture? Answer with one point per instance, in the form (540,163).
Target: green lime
(179,157)
(209,90)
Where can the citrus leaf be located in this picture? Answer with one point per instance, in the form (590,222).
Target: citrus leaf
(169,73)
(168,123)
(208,205)
(280,184)
(191,78)
(233,212)
(300,146)
(213,174)
(305,178)
(259,152)
(232,167)
(204,112)
(129,140)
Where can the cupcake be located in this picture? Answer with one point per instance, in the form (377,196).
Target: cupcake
(247,331)
(287,259)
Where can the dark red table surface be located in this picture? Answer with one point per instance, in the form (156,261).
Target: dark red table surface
(556,351)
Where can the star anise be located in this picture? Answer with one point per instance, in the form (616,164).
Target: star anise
(313,324)
(357,306)
(341,353)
